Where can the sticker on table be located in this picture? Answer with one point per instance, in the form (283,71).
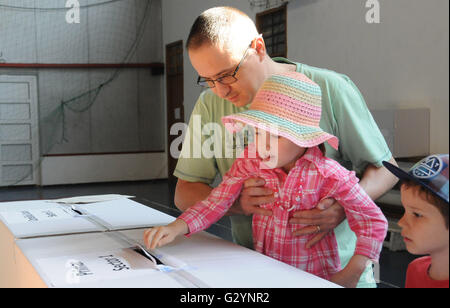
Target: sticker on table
(88,268)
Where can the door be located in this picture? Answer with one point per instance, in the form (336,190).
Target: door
(175,97)
(19,131)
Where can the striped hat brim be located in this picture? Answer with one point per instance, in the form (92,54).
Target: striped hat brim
(302,135)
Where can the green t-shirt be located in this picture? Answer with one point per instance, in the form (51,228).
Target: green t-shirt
(344,114)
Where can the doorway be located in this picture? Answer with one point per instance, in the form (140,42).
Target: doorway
(175,97)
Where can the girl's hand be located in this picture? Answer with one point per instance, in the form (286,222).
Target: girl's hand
(160,236)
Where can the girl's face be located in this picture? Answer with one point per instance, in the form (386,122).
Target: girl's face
(423,227)
(276,151)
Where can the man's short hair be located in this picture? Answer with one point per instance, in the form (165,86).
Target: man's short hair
(225,27)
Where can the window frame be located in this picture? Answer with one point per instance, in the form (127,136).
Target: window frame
(260,19)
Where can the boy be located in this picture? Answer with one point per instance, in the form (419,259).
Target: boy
(424,193)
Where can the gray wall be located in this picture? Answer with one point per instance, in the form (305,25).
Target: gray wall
(128,113)
(402,62)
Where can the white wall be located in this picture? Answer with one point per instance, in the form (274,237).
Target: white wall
(402,62)
(127,115)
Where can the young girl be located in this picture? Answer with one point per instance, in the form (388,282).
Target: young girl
(292,163)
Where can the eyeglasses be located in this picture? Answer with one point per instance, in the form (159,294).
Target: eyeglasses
(225,79)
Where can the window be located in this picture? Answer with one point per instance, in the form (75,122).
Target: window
(272,25)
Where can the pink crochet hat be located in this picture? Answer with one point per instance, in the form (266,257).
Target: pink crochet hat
(292,102)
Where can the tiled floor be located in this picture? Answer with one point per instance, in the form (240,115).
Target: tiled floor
(159,194)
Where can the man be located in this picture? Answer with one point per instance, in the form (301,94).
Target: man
(230,57)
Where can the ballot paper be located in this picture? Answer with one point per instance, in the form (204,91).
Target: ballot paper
(124,214)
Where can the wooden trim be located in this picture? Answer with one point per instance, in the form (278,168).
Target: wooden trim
(261,15)
(270,11)
(174,96)
(105,153)
(174,44)
(285,30)
(81,65)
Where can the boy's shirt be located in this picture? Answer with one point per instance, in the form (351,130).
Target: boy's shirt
(417,275)
(313,178)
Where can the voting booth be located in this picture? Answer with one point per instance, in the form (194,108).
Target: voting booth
(43,218)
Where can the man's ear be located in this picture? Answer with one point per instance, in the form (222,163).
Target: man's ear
(260,46)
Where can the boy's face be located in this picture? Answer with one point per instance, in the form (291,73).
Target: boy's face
(275,151)
(423,227)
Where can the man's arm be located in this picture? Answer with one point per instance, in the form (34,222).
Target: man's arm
(187,194)
(253,194)
(378,181)
(329,213)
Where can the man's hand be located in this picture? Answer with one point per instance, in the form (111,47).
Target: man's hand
(252,196)
(325,217)
(350,275)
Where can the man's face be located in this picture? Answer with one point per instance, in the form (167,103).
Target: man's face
(211,62)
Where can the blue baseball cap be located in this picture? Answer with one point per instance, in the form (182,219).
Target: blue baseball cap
(431,173)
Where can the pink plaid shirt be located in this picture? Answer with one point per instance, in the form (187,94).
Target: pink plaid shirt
(313,178)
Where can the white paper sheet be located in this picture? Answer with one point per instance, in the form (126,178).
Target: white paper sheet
(47,217)
(27,219)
